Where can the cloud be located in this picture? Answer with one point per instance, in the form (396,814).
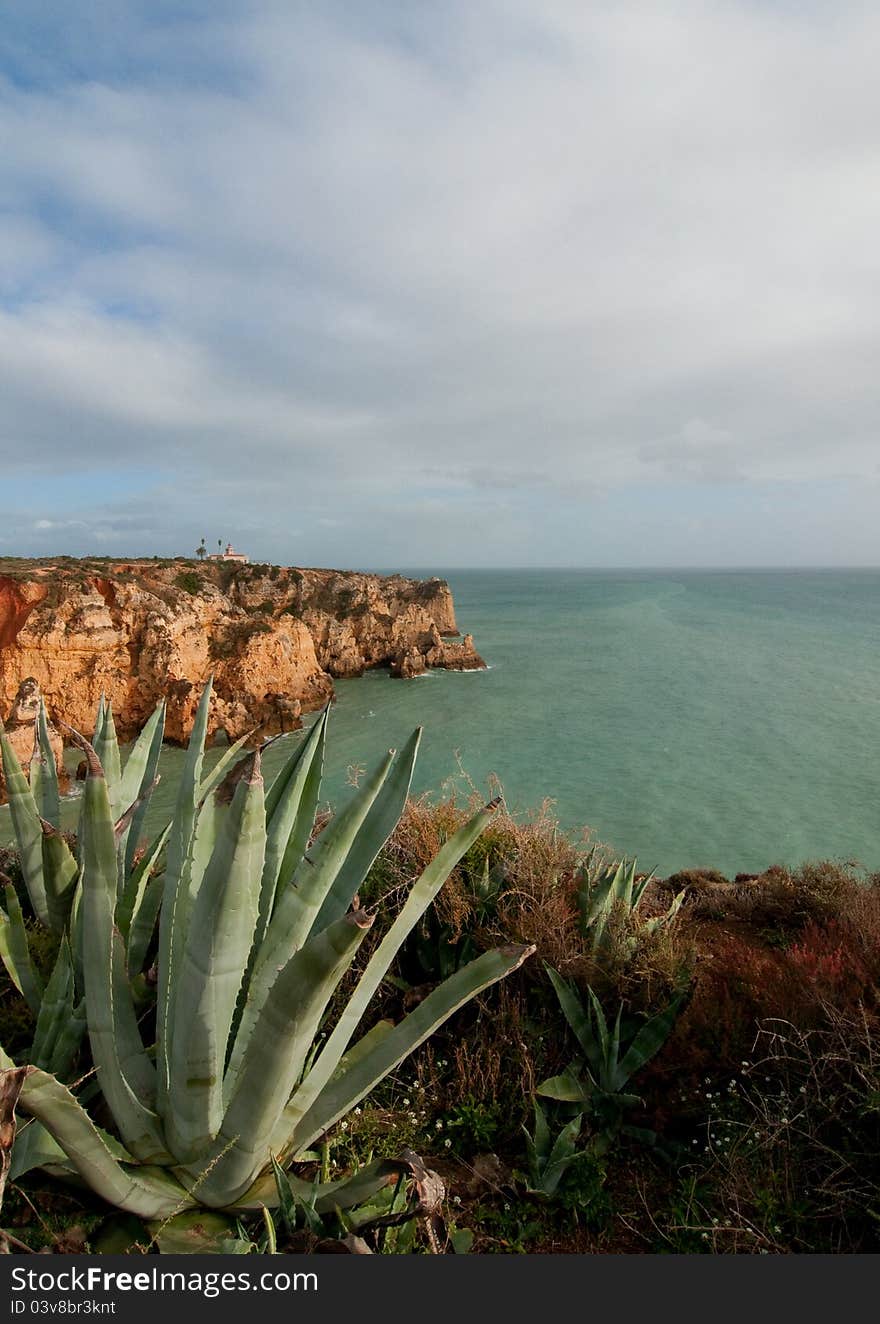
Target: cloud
(353,267)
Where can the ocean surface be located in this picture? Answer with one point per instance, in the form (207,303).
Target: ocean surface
(724,719)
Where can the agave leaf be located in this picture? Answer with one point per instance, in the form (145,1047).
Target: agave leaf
(75,930)
(565,1088)
(174,913)
(99,719)
(614,1046)
(147,1192)
(68,1040)
(600,1056)
(639,887)
(137,882)
(112,1024)
(35,1148)
(143,926)
(60,871)
(364,1045)
(380,822)
(649,1040)
(48,801)
(212,779)
(291,804)
(26,824)
(561,1156)
(107,749)
(540,1144)
(137,1069)
(290,815)
(659,920)
(274,1058)
(209,821)
(623,891)
(197,1232)
(298,906)
(351,1086)
(141,766)
(15,951)
(345,1193)
(224,916)
(574,1012)
(56,1006)
(150,775)
(287,1202)
(420,897)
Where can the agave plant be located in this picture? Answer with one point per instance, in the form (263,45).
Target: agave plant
(615,886)
(257,927)
(549,1160)
(598,1079)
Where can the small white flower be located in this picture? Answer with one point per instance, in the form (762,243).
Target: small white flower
(406,1103)
(447,1143)
(456,1199)
(357,1112)
(438,1124)
(344,1126)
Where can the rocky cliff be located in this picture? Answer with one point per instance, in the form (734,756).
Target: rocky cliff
(273,637)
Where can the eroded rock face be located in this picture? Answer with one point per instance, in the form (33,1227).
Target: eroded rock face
(273,638)
(20,723)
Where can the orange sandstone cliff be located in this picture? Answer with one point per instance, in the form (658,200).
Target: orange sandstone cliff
(273,637)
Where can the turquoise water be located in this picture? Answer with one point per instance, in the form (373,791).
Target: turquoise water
(691,718)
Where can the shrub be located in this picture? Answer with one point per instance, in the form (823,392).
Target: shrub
(189,581)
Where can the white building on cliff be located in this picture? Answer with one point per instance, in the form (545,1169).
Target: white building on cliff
(230,555)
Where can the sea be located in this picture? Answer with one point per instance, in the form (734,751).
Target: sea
(719,719)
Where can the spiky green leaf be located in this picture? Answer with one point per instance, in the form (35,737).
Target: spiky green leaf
(221,929)
(347,1089)
(15,950)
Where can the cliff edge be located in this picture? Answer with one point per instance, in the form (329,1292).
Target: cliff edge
(274,638)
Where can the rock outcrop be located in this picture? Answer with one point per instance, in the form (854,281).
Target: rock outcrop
(273,637)
(20,725)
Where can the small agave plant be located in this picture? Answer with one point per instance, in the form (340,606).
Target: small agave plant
(597,1079)
(256,929)
(615,886)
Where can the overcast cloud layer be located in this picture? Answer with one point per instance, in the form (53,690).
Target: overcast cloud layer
(497,282)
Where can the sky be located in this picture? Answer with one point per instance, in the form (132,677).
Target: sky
(375,284)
